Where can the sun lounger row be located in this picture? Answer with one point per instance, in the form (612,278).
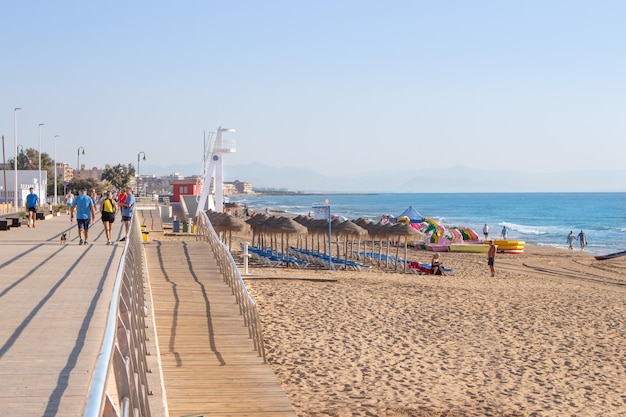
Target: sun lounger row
(375,256)
(319,259)
(274,259)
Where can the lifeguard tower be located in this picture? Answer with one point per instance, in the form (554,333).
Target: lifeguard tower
(212,196)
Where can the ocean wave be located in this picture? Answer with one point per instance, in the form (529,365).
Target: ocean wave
(530,230)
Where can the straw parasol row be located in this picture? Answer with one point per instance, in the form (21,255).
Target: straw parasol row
(265,226)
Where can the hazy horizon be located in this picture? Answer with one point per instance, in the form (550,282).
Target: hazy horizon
(342,88)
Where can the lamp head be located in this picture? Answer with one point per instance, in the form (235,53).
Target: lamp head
(225,129)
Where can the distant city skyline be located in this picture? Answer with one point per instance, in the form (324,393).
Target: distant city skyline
(341,88)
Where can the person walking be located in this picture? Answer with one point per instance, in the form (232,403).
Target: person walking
(570,240)
(127,210)
(32,205)
(85,213)
(486,231)
(582,240)
(491,257)
(121,198)
(108,208)
(69,202)
(504,233)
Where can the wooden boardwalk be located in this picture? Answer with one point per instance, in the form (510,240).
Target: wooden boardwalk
(54,300)
(209,364)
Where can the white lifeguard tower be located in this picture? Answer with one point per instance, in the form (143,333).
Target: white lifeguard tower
(213,199)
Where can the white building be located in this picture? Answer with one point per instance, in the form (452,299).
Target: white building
(25,180)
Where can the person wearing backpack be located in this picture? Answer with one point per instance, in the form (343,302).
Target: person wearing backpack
(108,208)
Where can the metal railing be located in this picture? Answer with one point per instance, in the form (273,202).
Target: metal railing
(232,277)
(119,386)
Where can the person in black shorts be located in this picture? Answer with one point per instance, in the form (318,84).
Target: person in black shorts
(32,204)
(108,208)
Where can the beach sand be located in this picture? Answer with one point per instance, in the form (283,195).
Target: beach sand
(545,337)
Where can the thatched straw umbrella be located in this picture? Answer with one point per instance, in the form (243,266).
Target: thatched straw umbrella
(286,226)
(405,230)
(223,223)
(347,228)
(366,224)
(256,222)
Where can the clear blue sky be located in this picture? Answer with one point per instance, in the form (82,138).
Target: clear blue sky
(337,86)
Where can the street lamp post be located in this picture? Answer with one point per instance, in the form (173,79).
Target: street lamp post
(55,169)
(78,159)
(138,159)
(39,166)
(15,160)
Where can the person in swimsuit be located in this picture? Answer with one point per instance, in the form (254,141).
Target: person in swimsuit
(491,257)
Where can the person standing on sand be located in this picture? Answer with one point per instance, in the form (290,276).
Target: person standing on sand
(570,240)
(486,231)
(491,257)
(582,239)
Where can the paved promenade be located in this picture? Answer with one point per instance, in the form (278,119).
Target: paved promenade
(53,301)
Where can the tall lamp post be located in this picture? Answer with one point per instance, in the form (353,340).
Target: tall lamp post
(39,166)
(55,169)
(138,159)
(15,160)
(78,159)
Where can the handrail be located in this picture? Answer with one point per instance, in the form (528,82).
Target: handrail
(119,386)
(232,277)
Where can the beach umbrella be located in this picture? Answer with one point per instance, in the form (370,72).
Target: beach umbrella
(346,229)
(285,226)
(256,221)
(404,230)
(226,223)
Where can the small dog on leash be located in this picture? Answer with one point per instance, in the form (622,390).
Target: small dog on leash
(63,238)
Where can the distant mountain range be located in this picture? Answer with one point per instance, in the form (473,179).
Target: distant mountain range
(452,179)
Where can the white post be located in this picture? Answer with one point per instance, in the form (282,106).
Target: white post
(55,169)
(15,160)
(39,166)
(246,255)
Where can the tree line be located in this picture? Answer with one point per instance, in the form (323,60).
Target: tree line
(117,176)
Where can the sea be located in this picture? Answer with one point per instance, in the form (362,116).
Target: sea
(543,219)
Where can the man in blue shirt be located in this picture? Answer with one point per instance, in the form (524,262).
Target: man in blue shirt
(127,210)
(32,204)
(85,212)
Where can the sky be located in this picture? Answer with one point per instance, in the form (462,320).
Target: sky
(341,87)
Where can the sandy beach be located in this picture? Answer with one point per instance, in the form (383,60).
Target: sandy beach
(545,337)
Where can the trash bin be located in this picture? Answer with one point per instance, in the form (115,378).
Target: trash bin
(185,227)
(176,226)
(144,236)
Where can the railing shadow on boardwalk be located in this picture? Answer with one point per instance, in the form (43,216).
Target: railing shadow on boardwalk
(119,386)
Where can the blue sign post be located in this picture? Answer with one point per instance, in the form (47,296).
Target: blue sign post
(321,212)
